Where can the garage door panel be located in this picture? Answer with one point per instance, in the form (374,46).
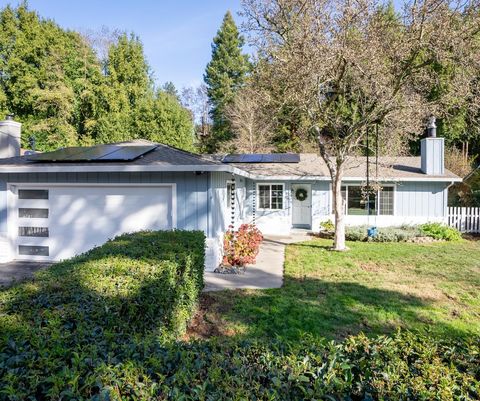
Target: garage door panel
(80,218)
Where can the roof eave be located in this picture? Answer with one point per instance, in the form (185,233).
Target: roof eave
(61,168)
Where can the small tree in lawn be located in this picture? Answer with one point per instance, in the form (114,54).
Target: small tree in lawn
(352,65)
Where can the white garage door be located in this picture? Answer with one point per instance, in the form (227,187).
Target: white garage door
(59,222)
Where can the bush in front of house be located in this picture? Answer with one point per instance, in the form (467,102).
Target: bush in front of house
(77,315)
(327,226)
(404,233)
(384,234)
(241,247)
(441,232)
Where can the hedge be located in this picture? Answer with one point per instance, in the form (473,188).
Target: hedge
(404,233)
(81,313)
(406,366)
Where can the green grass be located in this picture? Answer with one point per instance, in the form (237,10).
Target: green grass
(374,288)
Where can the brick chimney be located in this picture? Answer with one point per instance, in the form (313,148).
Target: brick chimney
(432,151)
(9,137)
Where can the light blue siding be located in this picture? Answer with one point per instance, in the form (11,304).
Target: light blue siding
(3,207)
(432,153)
(218,203)
(428,199)
(192,191)
(202,204)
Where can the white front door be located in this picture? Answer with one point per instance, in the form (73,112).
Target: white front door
(302,205)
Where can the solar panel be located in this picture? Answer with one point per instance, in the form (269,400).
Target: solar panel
(232,159)
(268,158)
(289,157)
(127,153)
(252,158)
(59,154)
(93,153)
(263,158)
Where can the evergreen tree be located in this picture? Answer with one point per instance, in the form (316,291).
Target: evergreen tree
(224,75)
(45,80)
(174,122)
(128,87)
(170,88)
(55,84)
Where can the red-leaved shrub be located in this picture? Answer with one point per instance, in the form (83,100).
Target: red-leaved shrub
(241,247)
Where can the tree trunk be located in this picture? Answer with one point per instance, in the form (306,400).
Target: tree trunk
(339,210)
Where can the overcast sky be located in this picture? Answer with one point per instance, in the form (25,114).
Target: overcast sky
(176,35)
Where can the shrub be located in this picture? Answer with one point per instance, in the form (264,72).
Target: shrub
(327,225)
(385,234)
(241,247)
(406,366)
(440,232)
(356,233)
(78,314)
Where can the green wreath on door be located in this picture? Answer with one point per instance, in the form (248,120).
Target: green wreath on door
(301,194)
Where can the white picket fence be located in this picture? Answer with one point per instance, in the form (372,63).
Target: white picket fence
(464,219)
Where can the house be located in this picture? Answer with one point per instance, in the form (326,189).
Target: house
(57,204)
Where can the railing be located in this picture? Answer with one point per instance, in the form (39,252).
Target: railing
(464,219)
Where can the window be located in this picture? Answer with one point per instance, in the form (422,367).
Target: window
(33,231)
(386,201)
(32,250)
(381,203)
(33,213)
(358,204)
(270,196)
(32,194)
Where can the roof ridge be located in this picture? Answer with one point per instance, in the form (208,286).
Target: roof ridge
(196,155)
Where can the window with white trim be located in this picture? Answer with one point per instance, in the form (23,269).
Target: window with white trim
(386,199)
(380,203)
(270,196)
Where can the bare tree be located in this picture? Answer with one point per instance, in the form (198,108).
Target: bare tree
(101,40)
(250,122)
(352,64)
(195,99)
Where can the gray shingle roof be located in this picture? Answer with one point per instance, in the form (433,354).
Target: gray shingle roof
(312,165)
(162,155)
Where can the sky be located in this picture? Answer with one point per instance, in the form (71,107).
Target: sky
(176,35)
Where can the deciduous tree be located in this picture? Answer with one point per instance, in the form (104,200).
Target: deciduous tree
(348,67)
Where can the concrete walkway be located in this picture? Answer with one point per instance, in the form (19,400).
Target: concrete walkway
(266,273)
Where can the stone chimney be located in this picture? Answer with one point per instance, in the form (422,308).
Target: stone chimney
(9,137)
(432,151)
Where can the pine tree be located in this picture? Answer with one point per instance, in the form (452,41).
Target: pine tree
(224,75)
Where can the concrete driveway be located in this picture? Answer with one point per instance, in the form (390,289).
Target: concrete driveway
(17,271)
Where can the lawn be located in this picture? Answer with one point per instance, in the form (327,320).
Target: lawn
(374,288)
